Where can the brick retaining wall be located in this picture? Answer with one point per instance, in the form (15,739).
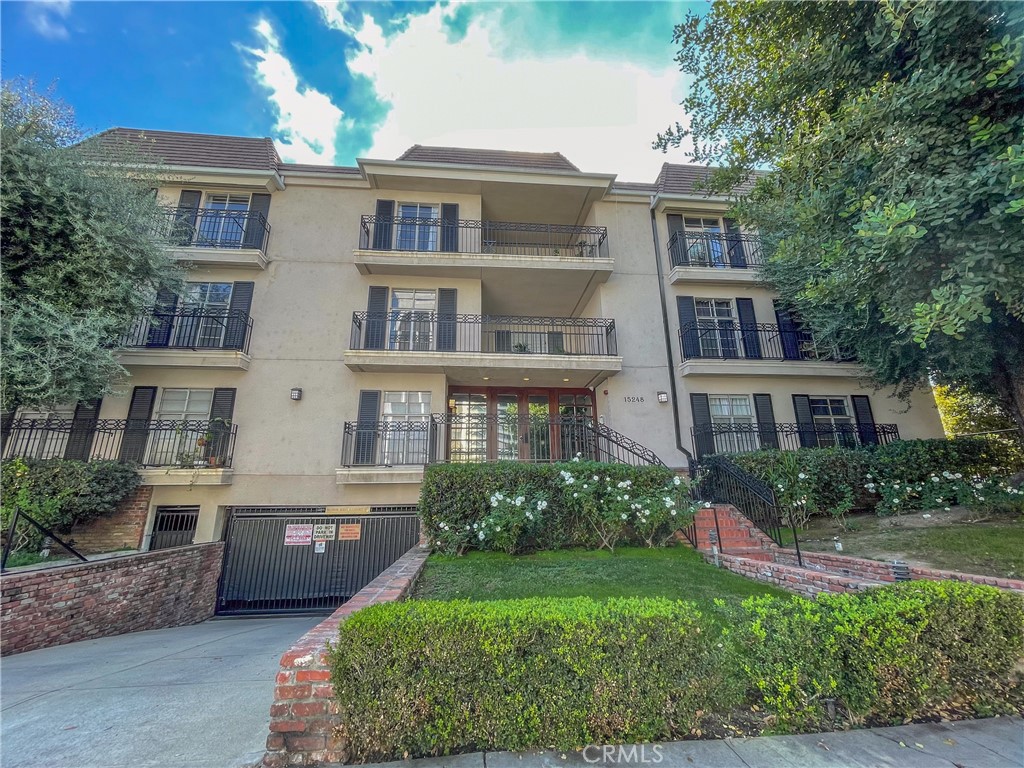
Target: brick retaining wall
(52,606)
(302,720)
(121,530)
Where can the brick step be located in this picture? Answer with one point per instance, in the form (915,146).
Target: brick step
(751,554)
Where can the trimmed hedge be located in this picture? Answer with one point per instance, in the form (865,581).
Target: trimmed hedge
(434,678)
(458,495)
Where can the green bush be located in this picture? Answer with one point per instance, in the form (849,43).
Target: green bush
(462,505)
(915,460)
(61,493)
(433,678)
(436,678)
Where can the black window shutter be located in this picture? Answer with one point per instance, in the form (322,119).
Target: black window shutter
(789,334)
(376,318)
(218,443)
(450,227)
(366,427)
(805,421)
(748,328)
(766,421)
(238,316)
(162,322)
(136,429)
(865,419)
(256,223)
(688,326)
(703,433)
(83,427)
(678,252)
(383,225)
(734,245)
(188,209)
(447,324)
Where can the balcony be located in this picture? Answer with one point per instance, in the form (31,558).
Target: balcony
(710,257)
(216,238)
(397,451)
(166,452)
(757,349)
(468,347)
(740,438)
(188,338)
(504,255)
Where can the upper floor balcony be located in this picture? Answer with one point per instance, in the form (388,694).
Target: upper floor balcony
(188,337)
(714,257)
(756,349)
(550,351)
(216,237)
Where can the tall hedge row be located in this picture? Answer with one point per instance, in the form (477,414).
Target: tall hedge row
(435,678)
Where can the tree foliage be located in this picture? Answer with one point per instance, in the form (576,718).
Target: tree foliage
(79,258)
(965,413)
(892,212)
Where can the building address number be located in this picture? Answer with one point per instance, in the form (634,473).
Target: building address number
(633,398)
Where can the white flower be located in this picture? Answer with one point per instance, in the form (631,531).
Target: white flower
(802,476)
(673,513)
(529,516)
(946,508)
(676,481)
(480,535)
(575,495)
(595,478)
(623,517)
(520,500)
(935,479)
(497,528)
(585,486)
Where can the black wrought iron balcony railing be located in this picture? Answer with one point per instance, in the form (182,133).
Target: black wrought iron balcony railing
(740,438)
(185,328)
(410,331)
(713,249)
(507,238)
(385,443)
(172,444)
(727,340)
(214,228)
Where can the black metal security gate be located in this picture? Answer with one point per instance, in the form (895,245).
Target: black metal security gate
(173,527)
(300,559)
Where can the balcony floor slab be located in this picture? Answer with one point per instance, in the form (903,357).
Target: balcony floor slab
(713,275)
(377,475)
(758,367)
(164,357)
(196,476)
(242,258)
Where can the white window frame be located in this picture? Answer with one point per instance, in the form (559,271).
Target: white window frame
(202,320)
(173,445)
(405,331)
(829,439)
(219,229)
(405,447)
(708,253)
(734,442)
(425,237)
(714,340)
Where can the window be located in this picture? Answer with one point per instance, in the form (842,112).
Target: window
(46,432)
(412,319)
(222,220)
(417,227)
(467,432)
(204,310)
(405,444)
(174,442)
(719,335)
(833,423)
(729,410)
(704,241)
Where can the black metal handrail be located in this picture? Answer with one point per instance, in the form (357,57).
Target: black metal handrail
(468,438)
(410,331)
(729,340)
(148,443)
(214,228)
(555,241)
(717,250)
(740,438)
(190,328)
(385,443)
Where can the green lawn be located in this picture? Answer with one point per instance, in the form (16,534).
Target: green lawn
(677,573)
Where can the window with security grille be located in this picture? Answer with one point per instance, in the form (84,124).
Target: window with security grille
(417,227)
(728,410)
(833,422)
(405,444)
(717,328)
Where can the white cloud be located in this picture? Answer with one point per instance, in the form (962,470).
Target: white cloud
(333,12)
(47,17)
(601,114)
(307,120)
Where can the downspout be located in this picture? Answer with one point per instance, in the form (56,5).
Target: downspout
(673,394)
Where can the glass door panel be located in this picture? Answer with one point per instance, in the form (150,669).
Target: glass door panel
(575,415)
(507,410)
(538,429)
(467,432)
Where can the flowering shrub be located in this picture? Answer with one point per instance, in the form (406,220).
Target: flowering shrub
(942,492)
(511,522)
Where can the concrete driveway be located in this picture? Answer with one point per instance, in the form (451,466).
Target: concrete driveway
(194,697)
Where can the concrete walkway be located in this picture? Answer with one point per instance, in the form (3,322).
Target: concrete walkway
(992,743)
(187,697)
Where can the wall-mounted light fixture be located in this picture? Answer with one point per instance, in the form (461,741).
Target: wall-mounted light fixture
(663,397)
(296,393)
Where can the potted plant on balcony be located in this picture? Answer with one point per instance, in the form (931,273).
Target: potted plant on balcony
(521,347)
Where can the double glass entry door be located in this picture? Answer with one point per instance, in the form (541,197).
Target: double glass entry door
(537,426)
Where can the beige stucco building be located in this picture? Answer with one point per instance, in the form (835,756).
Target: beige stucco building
(345,326)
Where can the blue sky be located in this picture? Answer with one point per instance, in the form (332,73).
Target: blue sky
(333,81)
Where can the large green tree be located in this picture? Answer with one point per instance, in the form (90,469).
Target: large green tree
(79,262)
(890,139)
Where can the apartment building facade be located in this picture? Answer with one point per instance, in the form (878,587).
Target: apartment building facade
(343,327)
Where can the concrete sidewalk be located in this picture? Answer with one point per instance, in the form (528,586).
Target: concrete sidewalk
(993,743)
(187,697)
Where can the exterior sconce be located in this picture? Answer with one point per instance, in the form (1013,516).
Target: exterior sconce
(296,393)
(663,397)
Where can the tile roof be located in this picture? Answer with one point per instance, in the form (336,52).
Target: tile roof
(682,179)
(500,158)
(192,149)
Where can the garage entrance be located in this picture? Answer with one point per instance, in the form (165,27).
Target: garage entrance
(301,559)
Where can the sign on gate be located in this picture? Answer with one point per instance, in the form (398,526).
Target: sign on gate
(297,535)
(324,531)
(350,532)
